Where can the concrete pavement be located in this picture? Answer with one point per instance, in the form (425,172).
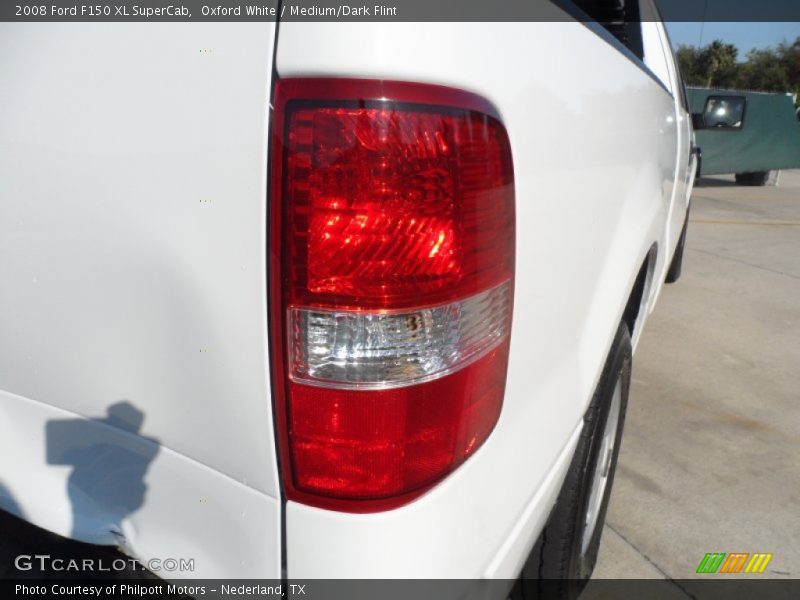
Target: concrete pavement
(710,458)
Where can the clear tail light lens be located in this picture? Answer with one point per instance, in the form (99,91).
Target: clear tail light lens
(392,265)
(377,350)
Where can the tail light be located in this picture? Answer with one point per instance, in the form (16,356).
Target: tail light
(392,266)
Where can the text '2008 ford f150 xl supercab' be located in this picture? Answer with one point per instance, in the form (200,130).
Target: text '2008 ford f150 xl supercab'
(326,299)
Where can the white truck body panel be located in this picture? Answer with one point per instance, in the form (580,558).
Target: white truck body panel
(133,165)
(594,142)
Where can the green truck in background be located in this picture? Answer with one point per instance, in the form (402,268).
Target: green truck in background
(750,134)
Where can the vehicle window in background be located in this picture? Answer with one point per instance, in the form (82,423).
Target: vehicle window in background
(724,112)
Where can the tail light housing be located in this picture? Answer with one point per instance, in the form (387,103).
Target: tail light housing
(392,270)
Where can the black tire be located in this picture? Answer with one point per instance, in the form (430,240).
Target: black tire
(558,567)
(758,178)
(676,266)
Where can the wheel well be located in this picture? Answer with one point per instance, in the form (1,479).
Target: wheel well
(641,289)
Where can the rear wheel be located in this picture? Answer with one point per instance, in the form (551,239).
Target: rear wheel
(563,558)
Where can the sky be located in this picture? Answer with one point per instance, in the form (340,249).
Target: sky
(745,36)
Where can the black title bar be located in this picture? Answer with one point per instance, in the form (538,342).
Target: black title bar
(381,11)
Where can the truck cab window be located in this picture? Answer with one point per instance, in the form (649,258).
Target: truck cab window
(620,17)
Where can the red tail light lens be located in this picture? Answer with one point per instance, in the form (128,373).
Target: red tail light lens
(392,228)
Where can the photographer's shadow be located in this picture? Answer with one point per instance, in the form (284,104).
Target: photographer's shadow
(107,482)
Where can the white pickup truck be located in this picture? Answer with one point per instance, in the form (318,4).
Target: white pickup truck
(346,300)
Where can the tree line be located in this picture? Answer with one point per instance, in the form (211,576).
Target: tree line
(775,69)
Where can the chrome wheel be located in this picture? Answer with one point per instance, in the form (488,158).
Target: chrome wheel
(603,467)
